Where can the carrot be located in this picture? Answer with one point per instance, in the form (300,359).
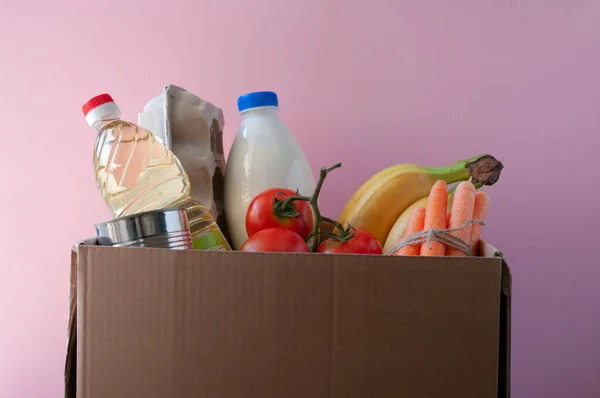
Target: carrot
(462,211)
(482,204)
(435,217)
(447,218)
(415,225)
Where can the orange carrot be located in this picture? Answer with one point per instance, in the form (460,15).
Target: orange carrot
(482,204)
(462,211)
(447,218)
(415,225)
(435,217)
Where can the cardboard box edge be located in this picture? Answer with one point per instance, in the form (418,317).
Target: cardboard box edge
(70,376)
(505,329)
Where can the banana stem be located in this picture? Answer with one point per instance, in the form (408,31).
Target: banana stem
(484,169)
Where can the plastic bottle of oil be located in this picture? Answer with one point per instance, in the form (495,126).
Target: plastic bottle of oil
(136,172)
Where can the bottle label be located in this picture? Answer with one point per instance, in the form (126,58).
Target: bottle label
(211,240)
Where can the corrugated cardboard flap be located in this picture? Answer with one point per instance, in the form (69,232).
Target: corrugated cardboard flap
(505,326)
(488,250)
(71,360)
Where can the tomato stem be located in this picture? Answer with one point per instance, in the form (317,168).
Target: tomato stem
(285,205)
(344,235)
(333,222)
(284,208)
(316,232)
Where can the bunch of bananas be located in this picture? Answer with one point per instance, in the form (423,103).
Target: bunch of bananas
(383,204)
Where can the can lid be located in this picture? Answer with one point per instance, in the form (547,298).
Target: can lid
(143,225)
(99,107)
(259,99)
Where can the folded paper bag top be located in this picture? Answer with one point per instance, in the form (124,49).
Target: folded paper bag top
(193,129)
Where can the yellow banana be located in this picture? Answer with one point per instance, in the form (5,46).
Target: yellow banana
(378,204)
(399,228)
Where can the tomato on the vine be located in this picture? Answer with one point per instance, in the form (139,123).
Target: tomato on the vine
(266,211)
(275,240)
(356,242)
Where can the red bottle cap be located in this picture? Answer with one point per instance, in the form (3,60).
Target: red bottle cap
(96,102)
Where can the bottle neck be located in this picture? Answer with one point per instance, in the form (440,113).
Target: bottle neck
(101,123)
(264,111)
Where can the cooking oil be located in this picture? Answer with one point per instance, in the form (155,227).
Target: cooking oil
(135,172)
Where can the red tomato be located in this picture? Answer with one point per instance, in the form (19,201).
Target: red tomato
(363,242)
(262,215)
(275,240)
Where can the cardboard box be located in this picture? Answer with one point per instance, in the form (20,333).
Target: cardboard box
(166,323)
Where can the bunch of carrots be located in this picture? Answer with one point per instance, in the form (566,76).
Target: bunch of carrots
(467,205)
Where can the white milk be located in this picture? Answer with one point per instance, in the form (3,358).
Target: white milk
(264,155)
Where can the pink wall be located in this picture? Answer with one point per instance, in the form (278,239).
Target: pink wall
(369,83)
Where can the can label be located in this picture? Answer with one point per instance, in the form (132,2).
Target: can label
(211,240)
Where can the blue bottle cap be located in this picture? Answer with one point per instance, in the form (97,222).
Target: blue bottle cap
(257,100)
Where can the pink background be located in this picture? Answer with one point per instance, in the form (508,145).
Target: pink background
(369,83)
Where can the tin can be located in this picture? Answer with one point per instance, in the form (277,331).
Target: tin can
(165,229)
